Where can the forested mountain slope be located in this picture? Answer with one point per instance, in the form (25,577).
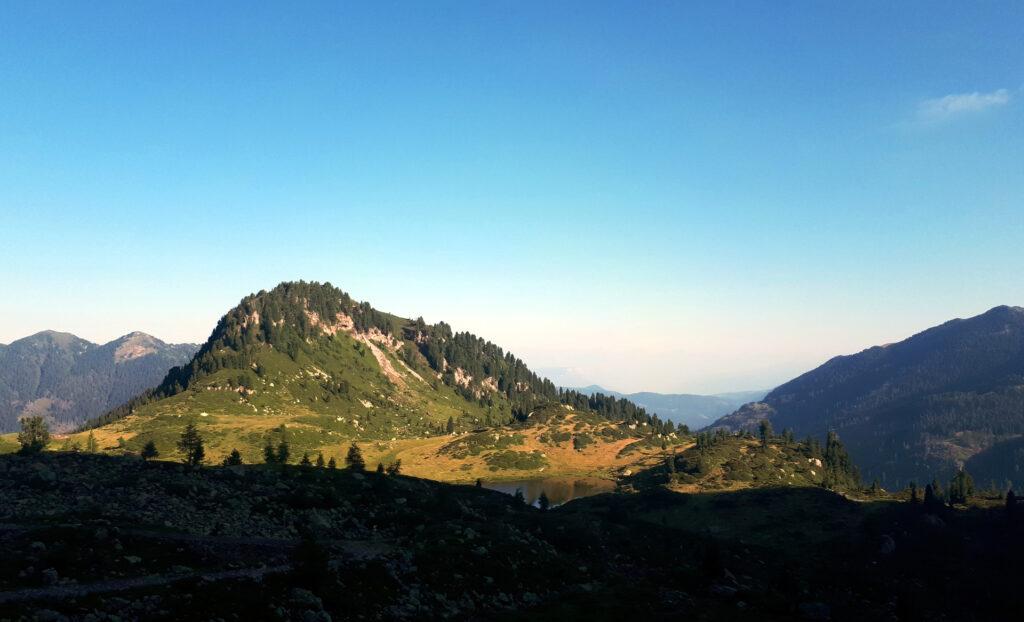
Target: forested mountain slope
(68,380)
(949,396)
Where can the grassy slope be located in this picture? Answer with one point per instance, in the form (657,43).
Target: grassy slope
(392,419)
(528,451)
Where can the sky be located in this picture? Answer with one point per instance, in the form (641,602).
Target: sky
(674,197)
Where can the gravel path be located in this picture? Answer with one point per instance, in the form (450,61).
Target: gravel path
(63,592)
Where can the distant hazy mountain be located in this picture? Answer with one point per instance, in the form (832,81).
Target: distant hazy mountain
(952,395)
(696,411)
(68,379)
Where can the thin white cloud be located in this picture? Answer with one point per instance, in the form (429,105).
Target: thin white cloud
(959,104)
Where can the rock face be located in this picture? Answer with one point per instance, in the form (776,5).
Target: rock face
(950,395)
(69,380)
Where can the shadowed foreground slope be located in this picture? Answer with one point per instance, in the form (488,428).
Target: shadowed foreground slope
(85,536)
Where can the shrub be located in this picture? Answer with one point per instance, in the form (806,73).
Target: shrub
(233,459)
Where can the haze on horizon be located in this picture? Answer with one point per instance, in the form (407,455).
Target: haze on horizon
(663,198)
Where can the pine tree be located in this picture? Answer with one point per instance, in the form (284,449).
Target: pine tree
(91,445)
(149,451)
(34,435)
(450,428)
(380,468)
(354,458)
(331,464)
(284,452)
(543,502)
(305,462)
(765,430)
(961,488)
(320,460)
(479,483)
(191,445)
(518,497)
(269,454)
(395,467)
(233,459)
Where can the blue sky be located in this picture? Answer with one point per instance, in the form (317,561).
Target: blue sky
(661,196)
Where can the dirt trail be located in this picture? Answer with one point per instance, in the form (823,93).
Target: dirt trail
(360,549)
(64,592)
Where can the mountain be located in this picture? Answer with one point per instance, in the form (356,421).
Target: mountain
(947,397)
(694,411)
(69,380)
(329,369)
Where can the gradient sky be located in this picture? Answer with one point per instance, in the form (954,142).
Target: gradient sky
(650,196)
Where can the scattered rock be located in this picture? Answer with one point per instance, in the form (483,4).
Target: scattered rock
(300,597)
(815,611)
(724,591)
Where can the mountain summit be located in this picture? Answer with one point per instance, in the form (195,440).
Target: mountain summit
(69,380)
(949,396)
(309,357)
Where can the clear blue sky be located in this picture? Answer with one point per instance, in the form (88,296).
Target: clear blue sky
(660,196)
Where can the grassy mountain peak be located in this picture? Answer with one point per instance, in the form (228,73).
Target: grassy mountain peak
(307,361)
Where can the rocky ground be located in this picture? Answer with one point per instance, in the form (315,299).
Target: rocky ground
(89,537)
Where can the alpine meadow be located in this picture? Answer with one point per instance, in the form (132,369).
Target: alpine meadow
(534,311)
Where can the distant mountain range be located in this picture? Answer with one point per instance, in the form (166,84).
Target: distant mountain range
(69,380)
(948,397)
(696,411)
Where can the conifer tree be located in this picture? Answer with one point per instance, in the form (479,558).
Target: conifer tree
(354,458)
(961,488)
(395,467)
(380,468)
(91,445)
(305,462)
(320,460)
(269,454)
(233,459)
(765,430)
(191,445)
(331,464)
(284,452)
(149,451)
(543,502)
(913,493)
(450,427)
(34,435)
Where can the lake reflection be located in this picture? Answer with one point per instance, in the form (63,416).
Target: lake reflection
(558,489)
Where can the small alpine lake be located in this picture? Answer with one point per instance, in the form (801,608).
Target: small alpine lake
(558,489)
